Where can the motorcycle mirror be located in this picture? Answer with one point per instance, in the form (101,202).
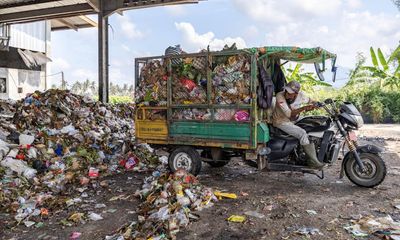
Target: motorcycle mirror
(328,101)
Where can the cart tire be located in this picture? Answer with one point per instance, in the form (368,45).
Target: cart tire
(186,158)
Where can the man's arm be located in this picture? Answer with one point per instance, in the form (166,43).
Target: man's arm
(296,112)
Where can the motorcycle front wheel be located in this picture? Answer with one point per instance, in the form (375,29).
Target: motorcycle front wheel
(375,170)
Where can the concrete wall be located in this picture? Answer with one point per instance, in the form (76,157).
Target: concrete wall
(28,80)
(35,36)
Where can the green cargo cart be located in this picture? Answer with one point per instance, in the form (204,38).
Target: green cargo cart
(213,138)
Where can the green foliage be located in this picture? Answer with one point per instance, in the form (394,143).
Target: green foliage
(387,73)
(373,57)
(374,90)
(120,99)
(308,80)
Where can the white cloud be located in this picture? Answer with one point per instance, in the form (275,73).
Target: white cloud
(354,3)
(117,63)
(252,31)
(128,28)
(59,64)
(125,47)
(195,41)
(273,11)
(352,33)
(337,25)
(118,76)
(82,74)
(176,10)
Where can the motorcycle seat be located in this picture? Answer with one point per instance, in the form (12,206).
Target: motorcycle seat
(312,127)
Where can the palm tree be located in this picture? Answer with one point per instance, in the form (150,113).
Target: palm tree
(86,87)
(125,89)
(118,89)
(131,90)
(112,89)
(93,87)
(359,76)
(76,88)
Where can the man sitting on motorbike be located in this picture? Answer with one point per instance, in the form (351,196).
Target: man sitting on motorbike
(287,109)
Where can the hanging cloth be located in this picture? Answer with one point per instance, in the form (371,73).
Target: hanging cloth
(265,90)
(278,77)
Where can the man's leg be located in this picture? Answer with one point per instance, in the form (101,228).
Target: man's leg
(295,131)
(309,148)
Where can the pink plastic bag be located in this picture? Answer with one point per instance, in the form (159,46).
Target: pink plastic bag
(241,116)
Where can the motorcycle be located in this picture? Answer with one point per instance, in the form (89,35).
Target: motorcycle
(363,165)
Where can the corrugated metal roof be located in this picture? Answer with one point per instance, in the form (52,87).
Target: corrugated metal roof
(37,6)
(15,11)
(74,23)
(7,2)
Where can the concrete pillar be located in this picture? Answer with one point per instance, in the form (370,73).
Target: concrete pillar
(103,56)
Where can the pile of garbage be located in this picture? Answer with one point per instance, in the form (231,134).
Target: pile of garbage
(169,204)
(152,89)
(56,139)
(232,80)
(230,76)
(370,225)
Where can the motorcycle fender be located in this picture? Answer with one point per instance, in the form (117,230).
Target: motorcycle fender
(369,148)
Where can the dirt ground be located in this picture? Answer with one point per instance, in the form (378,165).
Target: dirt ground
(283,199)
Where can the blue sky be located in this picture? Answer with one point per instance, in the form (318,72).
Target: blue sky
(345,27)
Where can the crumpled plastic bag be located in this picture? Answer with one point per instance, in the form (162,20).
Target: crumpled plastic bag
(4,149)
(25,139)
(18,166)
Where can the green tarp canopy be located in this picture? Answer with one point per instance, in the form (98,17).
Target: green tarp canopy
(295,54)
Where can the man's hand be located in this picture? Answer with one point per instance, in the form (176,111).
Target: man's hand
(295,113)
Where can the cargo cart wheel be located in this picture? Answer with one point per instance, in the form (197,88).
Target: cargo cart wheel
(185,158)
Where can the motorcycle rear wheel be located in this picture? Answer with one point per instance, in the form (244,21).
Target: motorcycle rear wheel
(375,170)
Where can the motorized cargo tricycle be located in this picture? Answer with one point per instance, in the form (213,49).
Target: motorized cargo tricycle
(215,115)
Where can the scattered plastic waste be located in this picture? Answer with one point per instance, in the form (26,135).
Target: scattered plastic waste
(311,212)
(75,235)
(308,231)
(368,225)
(254,214)
(236,218)
(169,204)
(220,195)
(94,216)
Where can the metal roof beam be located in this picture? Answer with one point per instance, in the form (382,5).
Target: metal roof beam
(68,24)
(20,4)
(95,4)
(111,6)
(88,20)
(129,4)
(47,13)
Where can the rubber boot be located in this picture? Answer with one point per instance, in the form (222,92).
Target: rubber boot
(312,159)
